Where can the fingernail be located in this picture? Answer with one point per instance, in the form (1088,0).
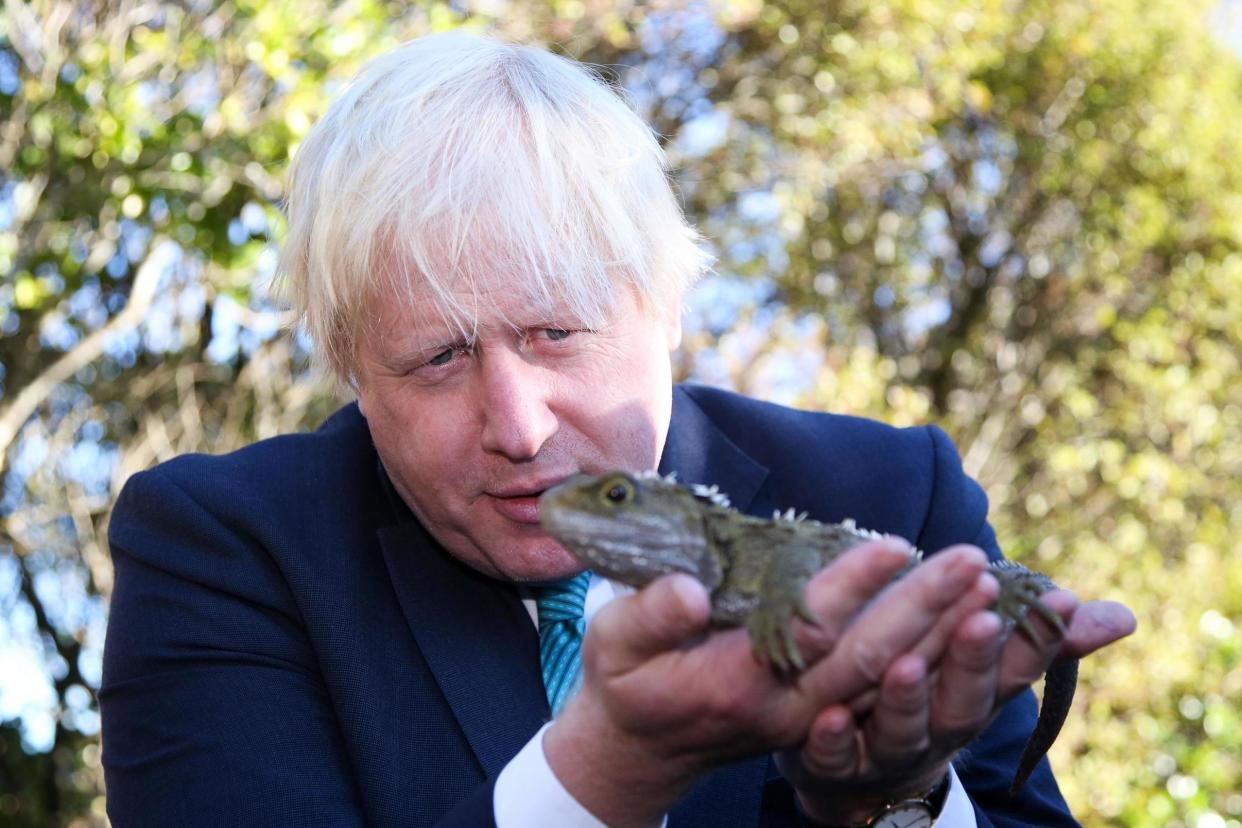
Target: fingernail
(898,544)
(690,592)
(987,584)
(988,627)
(967,564)
(837,721)
(912,670)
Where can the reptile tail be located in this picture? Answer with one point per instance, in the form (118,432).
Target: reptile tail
(1059,686)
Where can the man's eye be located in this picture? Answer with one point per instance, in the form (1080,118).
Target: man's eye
(441,358)
(557,334)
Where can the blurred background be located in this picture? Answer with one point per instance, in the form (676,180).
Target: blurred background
(1019,220)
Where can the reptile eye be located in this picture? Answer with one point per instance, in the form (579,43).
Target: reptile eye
(619,492)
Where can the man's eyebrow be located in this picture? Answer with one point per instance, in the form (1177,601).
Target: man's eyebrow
(419,351)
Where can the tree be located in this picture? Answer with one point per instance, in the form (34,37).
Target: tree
(1020,221)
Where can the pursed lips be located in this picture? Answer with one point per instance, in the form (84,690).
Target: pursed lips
(520,503)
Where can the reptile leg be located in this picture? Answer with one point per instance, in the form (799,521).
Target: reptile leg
(770,623)
(1020,590)
(772,639)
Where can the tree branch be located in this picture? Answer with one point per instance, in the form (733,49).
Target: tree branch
(89,349)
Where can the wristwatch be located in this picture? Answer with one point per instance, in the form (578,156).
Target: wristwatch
(919,812)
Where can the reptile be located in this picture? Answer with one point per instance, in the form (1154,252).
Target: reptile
(634,528)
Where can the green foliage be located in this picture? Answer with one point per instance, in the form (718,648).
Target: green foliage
(1016,220)
(1054,187)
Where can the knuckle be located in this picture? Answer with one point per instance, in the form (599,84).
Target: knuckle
(831,756)
(816,641)
(906,702)
(831,764)
(870,659)
(975,657)
(723,703)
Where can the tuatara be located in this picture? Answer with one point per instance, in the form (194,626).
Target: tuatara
(635,528)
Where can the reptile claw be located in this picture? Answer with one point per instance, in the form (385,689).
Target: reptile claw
(804,612)
(773,643)
(1051,617)
(1025,627)
(792,655)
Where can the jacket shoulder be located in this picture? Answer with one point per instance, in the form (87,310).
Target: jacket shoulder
(326,462)
(280,494)
(774,433)
(908,481)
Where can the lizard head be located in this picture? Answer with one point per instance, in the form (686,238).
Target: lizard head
(631,528)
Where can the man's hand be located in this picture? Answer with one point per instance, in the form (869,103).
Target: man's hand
(897,740)
(846,770)
(663,701)
(661,704)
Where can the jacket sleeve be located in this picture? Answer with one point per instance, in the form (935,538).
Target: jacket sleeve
(213,708)
(958,514)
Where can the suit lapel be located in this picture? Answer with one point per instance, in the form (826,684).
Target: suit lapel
(478,641)
(699,452)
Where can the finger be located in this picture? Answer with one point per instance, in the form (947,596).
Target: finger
(635,628)
(980,596)
(894,623)
(964,697)
(837,593)
(1097,624)
(896,731)
(1024,659)
(831,750)
(864,702)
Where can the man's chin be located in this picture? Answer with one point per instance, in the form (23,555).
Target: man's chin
(539,562)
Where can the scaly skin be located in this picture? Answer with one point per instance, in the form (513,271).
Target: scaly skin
(635,528)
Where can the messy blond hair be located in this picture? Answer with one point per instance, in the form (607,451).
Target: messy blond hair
(456,163)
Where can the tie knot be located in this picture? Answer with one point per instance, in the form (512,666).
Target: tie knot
(563,600)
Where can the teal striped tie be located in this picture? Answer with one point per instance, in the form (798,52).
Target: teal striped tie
(561,627)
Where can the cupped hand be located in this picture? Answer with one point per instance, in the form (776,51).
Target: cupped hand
(897,740)
(900,675)
(664,700)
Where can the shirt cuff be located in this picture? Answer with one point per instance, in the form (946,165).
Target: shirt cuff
(957,811)
(528,794)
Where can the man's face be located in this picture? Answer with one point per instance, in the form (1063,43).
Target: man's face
(472,433)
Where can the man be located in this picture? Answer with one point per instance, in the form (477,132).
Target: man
(336,628)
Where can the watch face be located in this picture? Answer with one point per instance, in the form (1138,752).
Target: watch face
(905,815)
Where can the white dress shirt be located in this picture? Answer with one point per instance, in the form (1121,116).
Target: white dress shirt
(528,794)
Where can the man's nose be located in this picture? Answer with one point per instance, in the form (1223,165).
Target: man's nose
(517,416)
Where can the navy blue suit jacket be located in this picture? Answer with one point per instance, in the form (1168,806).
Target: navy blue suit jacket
(287,645)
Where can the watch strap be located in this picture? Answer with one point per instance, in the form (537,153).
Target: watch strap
(934,801)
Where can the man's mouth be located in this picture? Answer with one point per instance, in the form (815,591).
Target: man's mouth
(519,502)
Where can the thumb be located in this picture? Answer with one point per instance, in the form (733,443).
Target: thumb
(658,618)
(1097,624)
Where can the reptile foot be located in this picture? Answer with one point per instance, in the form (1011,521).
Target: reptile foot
(1020,590)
